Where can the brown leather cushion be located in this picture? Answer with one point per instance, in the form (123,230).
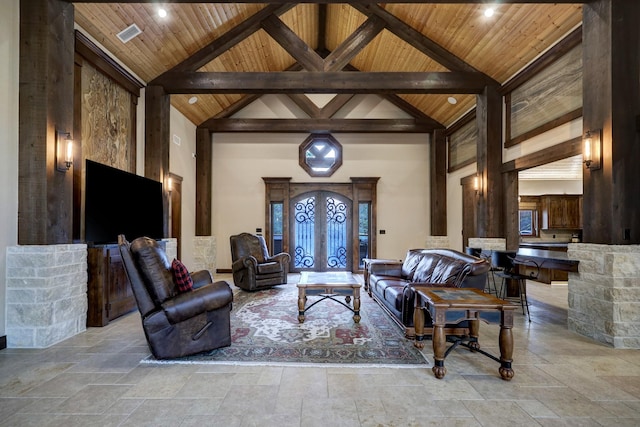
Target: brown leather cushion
(424,270)
(154,268)
(269,267)
(409,265)
(449,272)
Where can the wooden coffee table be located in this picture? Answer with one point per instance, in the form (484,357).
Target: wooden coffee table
(454,305)
(328,285)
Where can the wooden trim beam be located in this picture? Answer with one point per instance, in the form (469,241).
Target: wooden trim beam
(569,148)
(323,82)
(319,125)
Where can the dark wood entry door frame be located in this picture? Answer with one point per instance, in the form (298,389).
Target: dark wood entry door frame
(359,190)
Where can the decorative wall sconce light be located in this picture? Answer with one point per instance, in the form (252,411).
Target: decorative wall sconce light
(477,183)
(169,185)
(592,153)
(64,151)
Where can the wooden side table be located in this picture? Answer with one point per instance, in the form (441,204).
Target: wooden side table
(454,305)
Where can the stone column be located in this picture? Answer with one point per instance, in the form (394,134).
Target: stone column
(46,294)
(204,253)
(604,296)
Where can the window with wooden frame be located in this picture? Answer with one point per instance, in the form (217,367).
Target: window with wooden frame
(547,94)
(528,208)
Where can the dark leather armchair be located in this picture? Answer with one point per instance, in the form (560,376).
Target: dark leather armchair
(175,324)
(253,268)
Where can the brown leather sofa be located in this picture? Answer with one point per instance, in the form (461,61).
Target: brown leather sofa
(176,324)
(252,266)
(389,283)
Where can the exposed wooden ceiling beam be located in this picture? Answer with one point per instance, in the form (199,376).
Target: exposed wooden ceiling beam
(318,125)
(352,45)
(294,45)
(340,1)
(324,82)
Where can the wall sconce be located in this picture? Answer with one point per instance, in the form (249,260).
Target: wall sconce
(477,183)
(592,153)
(169,184)
(64,151)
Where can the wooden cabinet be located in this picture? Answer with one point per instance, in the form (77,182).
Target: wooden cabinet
(561,211)
(108,290)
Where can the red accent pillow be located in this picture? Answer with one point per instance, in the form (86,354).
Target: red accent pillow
(181,276)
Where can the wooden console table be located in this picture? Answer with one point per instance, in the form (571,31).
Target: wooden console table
(454,305)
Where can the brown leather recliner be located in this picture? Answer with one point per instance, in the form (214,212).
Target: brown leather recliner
(252,266)
(175,324)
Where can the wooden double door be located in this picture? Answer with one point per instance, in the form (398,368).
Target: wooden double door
(323,226)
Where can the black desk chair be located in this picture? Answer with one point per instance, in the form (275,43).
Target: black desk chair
(477,252)
(506,260)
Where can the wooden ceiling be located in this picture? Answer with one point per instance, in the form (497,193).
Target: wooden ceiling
(332,47)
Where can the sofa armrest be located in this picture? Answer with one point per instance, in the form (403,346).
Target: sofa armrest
(245,262)
(201,278)
(386,268)
(282,258)
(189,304)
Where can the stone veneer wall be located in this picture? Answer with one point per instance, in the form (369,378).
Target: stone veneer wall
(437,242)
(46,294)
(204,253)
(604,296)
(488,243)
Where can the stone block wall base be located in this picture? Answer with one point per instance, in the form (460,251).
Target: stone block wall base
(204,253)
(437,242)
(604,296)
(488,243)
(46,294)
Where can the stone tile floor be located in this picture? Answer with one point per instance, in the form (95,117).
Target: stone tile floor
(95,379)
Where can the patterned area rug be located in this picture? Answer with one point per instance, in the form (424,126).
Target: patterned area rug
(265,330)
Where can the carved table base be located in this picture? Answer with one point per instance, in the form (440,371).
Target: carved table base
(455,305)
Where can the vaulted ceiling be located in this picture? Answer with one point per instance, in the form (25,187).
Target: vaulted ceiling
(213,50)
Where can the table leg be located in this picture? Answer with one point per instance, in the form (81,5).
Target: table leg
(439,349)
(302,299)
(506,345)
(356,305)
(418,324)
(474,330)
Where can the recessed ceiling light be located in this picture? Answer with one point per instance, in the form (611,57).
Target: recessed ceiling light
(488,12)
(452,100)
(193,100)
(162,13)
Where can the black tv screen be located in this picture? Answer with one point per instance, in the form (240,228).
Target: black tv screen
(119,202)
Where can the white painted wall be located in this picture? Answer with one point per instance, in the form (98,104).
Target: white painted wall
(183,163)
(9,78)
(401,161)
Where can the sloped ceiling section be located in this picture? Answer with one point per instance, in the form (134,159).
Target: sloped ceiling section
(416,55)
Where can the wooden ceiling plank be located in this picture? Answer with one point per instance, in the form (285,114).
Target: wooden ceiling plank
(293,44)
(317,125)
(229,39)
(323,82)
(416,39)
(349,48)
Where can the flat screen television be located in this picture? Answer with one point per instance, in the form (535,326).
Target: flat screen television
(119,202)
